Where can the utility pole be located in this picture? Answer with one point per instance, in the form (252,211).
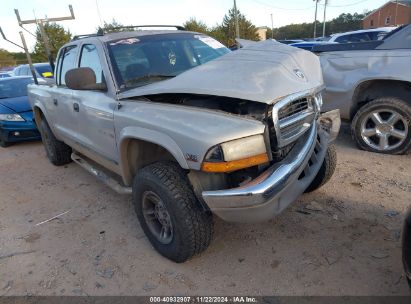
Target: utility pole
(237,27)
(40,23)
(325,10)
(272,27)
(315,18)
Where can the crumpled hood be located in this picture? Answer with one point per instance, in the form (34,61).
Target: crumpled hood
(17,104)
(262,71)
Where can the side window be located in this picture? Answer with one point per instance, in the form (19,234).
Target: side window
(25,71)
(89,58)
(343,39)
(68,62)
(361,38)
(17,71)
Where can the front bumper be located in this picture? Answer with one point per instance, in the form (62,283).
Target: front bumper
(282,183)
(18,131)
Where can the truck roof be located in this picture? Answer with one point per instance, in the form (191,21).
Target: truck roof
(120,35)
(135,31)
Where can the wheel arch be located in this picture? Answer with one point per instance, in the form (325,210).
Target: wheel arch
(369,90)
(139,147)
(38,114)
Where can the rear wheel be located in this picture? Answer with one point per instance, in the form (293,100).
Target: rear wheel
(169,213)
(326,170)
(383,126)
(57,151)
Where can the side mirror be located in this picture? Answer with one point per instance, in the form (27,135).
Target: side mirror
(83,79)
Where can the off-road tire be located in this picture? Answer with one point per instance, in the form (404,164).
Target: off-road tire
(326,170)
(57,151)
(391,103)
(192,225)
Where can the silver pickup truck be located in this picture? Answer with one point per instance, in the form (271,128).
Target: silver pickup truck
(189,128)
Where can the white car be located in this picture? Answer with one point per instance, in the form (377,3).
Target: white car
(361,35)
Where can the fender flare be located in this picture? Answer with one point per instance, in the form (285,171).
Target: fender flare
(148,135)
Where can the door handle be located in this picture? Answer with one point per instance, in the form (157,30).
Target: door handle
(76,107)
(55,101)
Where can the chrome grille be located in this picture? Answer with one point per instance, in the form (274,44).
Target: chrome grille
(293,116)
(293,107)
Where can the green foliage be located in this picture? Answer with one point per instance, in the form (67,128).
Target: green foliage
(6,59)
(228,31)
(196,26)
(343,23)
(225,32)
(57,36)
(20,57)
(112,27)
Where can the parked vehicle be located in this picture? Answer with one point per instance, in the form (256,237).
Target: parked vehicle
(4,75)
(308,45)
(16,115)
(290,41)
(406,246)
(43,70)
(189,128)
(370,83)
(347,37)
(360,35)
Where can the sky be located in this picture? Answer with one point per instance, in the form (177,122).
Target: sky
(165,12)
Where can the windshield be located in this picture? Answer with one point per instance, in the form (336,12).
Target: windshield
(10,88)
(44,70)
(146,59)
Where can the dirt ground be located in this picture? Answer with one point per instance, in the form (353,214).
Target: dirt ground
(340,240)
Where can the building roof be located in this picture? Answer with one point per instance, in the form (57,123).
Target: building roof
(400,2)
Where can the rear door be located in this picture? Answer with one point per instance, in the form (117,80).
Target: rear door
(65,119)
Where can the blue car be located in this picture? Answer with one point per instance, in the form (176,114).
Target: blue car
(16,116)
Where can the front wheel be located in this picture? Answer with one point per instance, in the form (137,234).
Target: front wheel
(169,213)
(326,170)
(383,126)
(4,144)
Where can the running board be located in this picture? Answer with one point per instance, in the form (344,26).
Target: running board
(109,181)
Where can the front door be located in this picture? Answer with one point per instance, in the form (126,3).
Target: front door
(96,110)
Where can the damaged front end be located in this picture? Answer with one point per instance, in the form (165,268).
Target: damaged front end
(253,177)
(297,137)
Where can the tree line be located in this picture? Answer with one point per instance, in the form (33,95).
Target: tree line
(225,32)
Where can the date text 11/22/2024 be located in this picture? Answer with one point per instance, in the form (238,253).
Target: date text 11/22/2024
(205,299)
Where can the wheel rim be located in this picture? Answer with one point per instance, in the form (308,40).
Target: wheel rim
(157,217)
(384,129)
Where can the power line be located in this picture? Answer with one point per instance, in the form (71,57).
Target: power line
(282,8)
(345,5)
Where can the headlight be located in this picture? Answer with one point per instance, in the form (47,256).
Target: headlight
(318,100)
(11,117)
(235,155)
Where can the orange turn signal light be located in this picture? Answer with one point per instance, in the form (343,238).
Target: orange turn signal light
(229,166)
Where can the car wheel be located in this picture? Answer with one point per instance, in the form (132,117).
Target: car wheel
(4,144)
(57,151)
(171,217)
(326,170)
(383,126)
